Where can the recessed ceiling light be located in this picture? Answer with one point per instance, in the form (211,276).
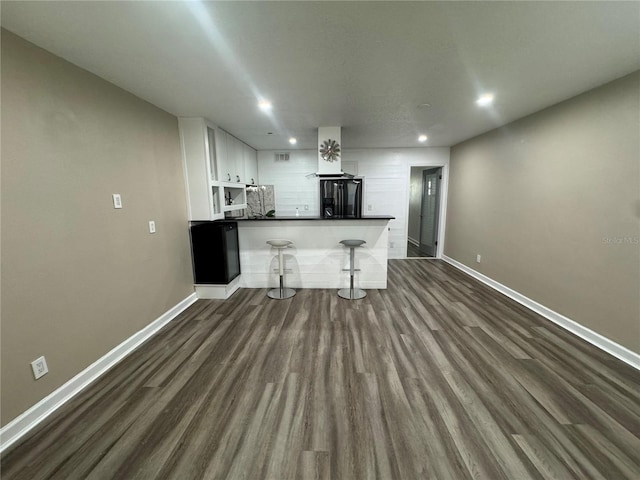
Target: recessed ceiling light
(424,105)
(265,105)
(293,140)
(422,138)
(484,100)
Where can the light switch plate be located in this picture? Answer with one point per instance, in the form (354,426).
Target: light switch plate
(152,226)
(117,200)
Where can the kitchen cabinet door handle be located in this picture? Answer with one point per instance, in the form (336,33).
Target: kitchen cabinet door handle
(229,177)
(238,178)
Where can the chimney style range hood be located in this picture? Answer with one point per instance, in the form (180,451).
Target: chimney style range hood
(329,151)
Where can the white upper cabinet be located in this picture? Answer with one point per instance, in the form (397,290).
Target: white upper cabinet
(235,160)
(225,167)
(211,151)
(199,163)
(217,169)
(250,165)
(233,156)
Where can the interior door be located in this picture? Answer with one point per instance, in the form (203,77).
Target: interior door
(431,180)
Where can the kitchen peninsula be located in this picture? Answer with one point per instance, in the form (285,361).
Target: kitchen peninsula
(316,258)
(220,178)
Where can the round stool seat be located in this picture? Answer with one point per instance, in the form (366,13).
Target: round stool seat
(279,243)
(352,243)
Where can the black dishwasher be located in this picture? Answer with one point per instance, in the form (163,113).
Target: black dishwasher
(214,248)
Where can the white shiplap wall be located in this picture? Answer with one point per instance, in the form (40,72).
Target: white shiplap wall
(387,181)
(293,183)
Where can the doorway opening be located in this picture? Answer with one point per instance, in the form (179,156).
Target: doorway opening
(424,212)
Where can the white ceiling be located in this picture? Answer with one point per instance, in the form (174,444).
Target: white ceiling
(365,66)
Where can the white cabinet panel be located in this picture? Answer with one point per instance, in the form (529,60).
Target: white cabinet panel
(225,167)
(211,151)
(250,165)
(199,165)
(235,159)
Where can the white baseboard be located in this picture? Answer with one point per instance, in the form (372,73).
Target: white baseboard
(218,292)
(19,426)
(594,338)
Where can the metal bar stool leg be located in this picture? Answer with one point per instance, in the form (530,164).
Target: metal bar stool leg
(281,271)
(352,262)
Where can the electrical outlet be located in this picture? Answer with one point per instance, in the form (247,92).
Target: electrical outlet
(306,207)
(478,258)
(152,226)
(39,367)
(117,200)
(369,208)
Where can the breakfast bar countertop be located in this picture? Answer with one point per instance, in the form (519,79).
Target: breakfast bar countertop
(309,217)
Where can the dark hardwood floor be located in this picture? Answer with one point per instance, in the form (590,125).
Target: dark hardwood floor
(437,377)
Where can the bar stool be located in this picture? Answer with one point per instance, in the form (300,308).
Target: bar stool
(280,293)
(352,293)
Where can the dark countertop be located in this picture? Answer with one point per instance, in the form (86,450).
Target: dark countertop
(312,218)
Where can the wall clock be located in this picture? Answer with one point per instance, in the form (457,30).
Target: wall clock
(329,150)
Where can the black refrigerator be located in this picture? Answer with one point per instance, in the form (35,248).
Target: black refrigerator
(341,197)
(215,252)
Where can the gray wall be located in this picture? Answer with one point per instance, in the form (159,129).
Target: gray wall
(552,203)
(79,277)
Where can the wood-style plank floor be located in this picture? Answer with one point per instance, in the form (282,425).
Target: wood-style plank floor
(437,377)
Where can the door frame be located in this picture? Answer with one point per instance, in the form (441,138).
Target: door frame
(442,213)
(435,171)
